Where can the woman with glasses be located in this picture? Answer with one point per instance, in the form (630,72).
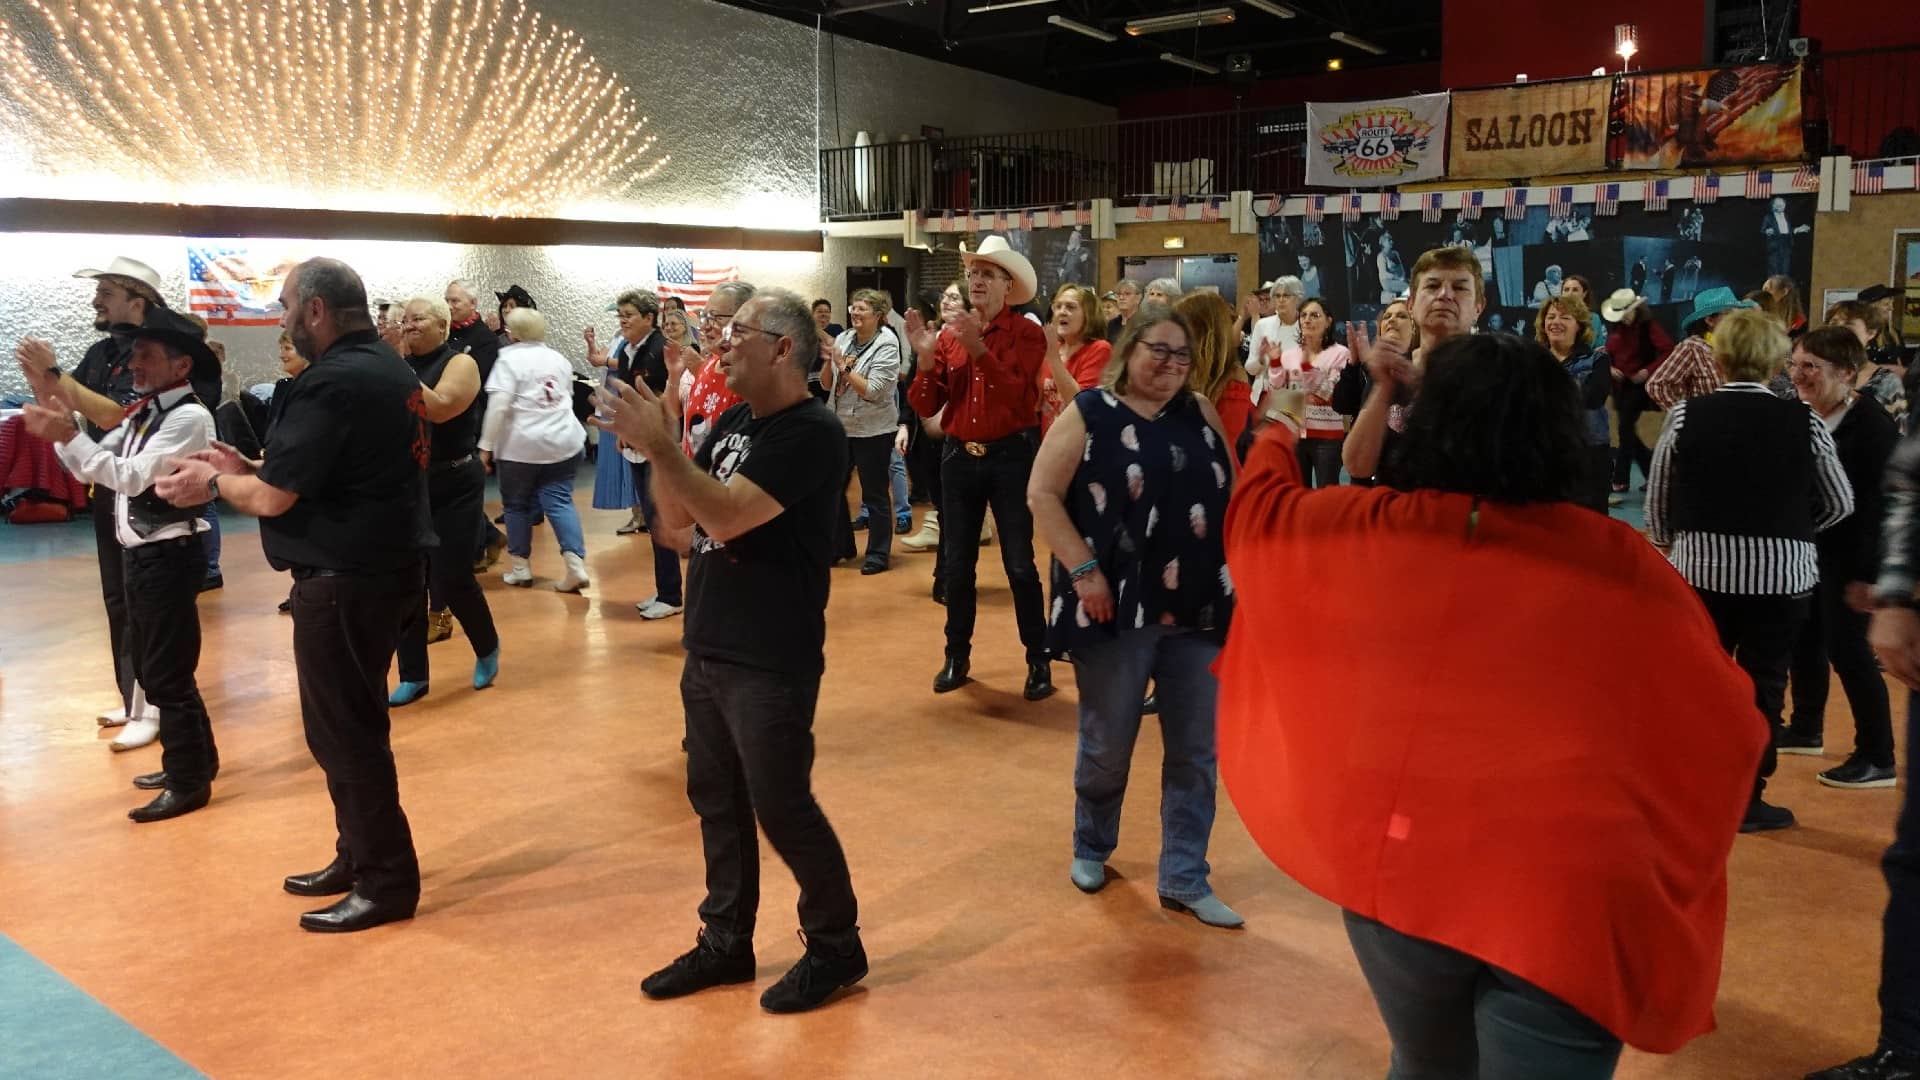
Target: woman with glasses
(1130,491)
(1313,367)
(860,371)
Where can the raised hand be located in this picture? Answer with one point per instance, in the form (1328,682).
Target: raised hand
(1386,360)
(971,330)
(922,335)
(596,355)
(635,414)
(52,424)
(1051,331)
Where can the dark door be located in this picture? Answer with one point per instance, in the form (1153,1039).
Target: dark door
(891,280)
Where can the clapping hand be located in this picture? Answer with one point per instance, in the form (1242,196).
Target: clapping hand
(1386,359)
(187,484)
(635,414)
(971,330)
(921,335)
(1051,331)
(37,362)
(225,459)
(54,424)
(596,355)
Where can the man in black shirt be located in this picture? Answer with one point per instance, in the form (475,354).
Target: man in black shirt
(467,333)
(756,507)
(342,502)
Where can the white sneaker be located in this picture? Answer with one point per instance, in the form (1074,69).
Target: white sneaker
(929,535)
(576,575)
(136,734)
(654,609)
(521,574)
(112,717)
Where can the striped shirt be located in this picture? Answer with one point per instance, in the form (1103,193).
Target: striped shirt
(1747,565)
(1687,372)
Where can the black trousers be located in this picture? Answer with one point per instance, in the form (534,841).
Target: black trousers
(163,649)
(1319,461)
(931,451)
(1900,950)
(345,628)
(923,459)
(1630,400)
(113,587)
(1759,632)
(969,486)
(457,498)
(750,757)
(872,457)
(668,585)
(1836,635)
(1593,485)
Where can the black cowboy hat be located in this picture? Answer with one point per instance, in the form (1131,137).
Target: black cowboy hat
(175,330)
(519,296)
(1873,294)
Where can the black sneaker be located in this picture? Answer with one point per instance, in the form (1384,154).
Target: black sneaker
(1880,1065)
(1790,741)
(1765,817)
(704,966)
(1858,772)
(819,975)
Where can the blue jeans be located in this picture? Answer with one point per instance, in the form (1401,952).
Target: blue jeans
(211,538)
(1112,677)
(550,487)
(898,469)
(1453,1017)
(666,561)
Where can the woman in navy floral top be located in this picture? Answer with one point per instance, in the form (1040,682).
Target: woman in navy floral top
(1130,491)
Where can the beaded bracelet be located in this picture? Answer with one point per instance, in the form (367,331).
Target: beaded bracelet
(1083,569)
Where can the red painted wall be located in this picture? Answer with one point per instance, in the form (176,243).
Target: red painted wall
(1491,41)
(1860,24)
(1327,86)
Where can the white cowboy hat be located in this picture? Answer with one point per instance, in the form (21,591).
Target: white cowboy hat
(994,250)
(1615,306)
(131,269)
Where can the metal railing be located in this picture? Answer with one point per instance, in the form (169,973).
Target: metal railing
(1864,103)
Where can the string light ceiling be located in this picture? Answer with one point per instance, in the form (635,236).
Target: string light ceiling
(427,106)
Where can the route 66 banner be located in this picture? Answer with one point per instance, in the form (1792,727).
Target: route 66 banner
(1375,143)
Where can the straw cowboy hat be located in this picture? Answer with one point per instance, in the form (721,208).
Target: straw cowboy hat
(130,270)
(994,250)
(1618,303)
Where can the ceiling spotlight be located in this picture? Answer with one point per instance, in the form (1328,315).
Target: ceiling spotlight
(1278,11)
(1360,43)
(1081,28)
(1335,64)
(1195,65)
(1626,42)
(1002,5)
(1185,20)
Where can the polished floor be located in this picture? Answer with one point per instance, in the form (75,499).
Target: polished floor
(562,863)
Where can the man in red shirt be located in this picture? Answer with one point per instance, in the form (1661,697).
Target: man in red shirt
(981,374)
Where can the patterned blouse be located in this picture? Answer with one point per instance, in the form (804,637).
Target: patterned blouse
(1150,499)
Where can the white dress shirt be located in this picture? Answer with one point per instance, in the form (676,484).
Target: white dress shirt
(132,456)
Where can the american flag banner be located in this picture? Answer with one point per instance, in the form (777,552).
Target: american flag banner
(1026,219)
(691,277)
(236,286)
(1178,211)
(1516,199)
(999,221)
(1560,201)
(1210,210)
(1869,178)
(1350,208)
(1470,204)
(1390,206)
(1706,189)
(1606,200)
(1806,178)
(1084,215)
(1144,211)
(1658,191)
(1316,207)
(1055,218)
(946,221)
(1430,207)
(1759,183)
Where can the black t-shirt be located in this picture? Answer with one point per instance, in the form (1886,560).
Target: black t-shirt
(476,339)
(352,441)
(760,599)
(106,369)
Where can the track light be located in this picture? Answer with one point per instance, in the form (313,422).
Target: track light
(1002,5)
(1185,20)
(1195,65)
(1278,11)
(1081,28)
(1360,43)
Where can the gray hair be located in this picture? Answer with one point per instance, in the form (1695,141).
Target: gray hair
(465,286)
(527,324)
(1291,286)
(786,314)
(739,292)
(1128,284)
(640,300)
(338,287)
(436,307)
(1168,287)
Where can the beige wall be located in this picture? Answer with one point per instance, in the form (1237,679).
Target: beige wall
(1855,249)
(1203,238)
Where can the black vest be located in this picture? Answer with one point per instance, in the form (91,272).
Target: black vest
(148,513)
(1743,466)
(455,438)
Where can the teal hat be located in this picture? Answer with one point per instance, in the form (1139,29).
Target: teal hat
(1713,302)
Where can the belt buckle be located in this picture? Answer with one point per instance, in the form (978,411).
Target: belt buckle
(976,449)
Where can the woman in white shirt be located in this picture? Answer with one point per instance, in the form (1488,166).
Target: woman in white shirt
(863,367)
(531,436)
(1313,367)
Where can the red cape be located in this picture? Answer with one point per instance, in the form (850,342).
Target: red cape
(1416,724)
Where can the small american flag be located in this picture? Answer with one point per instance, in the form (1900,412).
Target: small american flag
(1316,207)
(1273,207)
(1084,215)
(1430,207)
(1560,201)
(999,221)
(1869,179)
(1658,192)
(1806,178)
(692,277)
(1516,204)
(1178,211)
(1606,200)
(1707,189)
(1055,218)
(1350,208)
(1026,219)
(1144,211)
(1470,204)
(946,221)
(1390,206)
(1759,183)
(1210,210)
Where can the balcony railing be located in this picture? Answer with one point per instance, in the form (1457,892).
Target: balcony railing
(1863,103)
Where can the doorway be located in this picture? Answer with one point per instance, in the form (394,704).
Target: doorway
(891,280)
(1215,273)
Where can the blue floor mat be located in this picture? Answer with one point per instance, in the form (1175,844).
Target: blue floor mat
(50,1029)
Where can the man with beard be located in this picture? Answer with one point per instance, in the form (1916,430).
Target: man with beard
(467,333)
(342,499)
(100,388)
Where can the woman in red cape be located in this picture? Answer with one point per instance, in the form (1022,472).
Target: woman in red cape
(1414,725)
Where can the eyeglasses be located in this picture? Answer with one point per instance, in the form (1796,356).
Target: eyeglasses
(1164,353)
(707,316)
(1807,367)
(730,334)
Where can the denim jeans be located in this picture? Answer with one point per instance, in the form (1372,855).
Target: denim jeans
(1900,950)
(666,561)
(1453,1017)
(1113,678)
(211,538)
(898,469)
(550,488)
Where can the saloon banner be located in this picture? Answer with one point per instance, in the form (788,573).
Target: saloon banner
(1718,116)
(1542,130)
(1374,143)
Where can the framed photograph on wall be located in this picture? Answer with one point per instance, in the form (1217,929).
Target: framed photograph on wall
(1906,278)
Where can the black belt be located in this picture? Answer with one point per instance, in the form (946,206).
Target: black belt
(153,546)
(302,573)
(1005,442)
(438,467)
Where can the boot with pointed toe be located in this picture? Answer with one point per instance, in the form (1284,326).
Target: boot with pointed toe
(171,803)
(952,677)
(336,878)
(354,912)
(1039,681)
